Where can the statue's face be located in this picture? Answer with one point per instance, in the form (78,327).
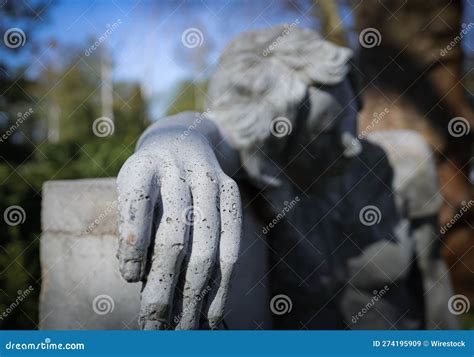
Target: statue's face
(332,111)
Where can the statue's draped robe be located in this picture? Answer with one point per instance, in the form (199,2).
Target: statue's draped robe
(312,246)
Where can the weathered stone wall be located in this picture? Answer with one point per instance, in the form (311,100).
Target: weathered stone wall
(81,285)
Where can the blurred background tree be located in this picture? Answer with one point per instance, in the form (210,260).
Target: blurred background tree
(19,244)
(423,85)
(55,142)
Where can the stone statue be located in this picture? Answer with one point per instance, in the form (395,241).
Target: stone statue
(273,163)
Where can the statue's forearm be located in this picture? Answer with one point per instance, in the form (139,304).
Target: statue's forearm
(190,124)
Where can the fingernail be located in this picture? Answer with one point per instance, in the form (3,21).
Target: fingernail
(214,323)
(153,325)
(131,271)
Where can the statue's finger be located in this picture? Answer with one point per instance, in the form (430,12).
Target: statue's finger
(138,188)
(205,239)
(231,230)
(170,246)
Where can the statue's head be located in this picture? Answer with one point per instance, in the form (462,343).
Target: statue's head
(279,90)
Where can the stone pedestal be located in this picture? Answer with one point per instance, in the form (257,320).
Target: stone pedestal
(81,285)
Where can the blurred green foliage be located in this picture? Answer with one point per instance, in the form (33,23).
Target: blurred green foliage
(189,95)
(69,90)
(81,154)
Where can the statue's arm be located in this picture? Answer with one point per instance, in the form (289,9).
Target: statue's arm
(180,222)
(192,123)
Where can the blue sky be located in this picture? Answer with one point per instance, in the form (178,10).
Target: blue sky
(147,47)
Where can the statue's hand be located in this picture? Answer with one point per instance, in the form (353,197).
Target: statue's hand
(177,189)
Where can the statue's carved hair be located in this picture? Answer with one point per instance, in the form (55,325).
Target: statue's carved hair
(263,75)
